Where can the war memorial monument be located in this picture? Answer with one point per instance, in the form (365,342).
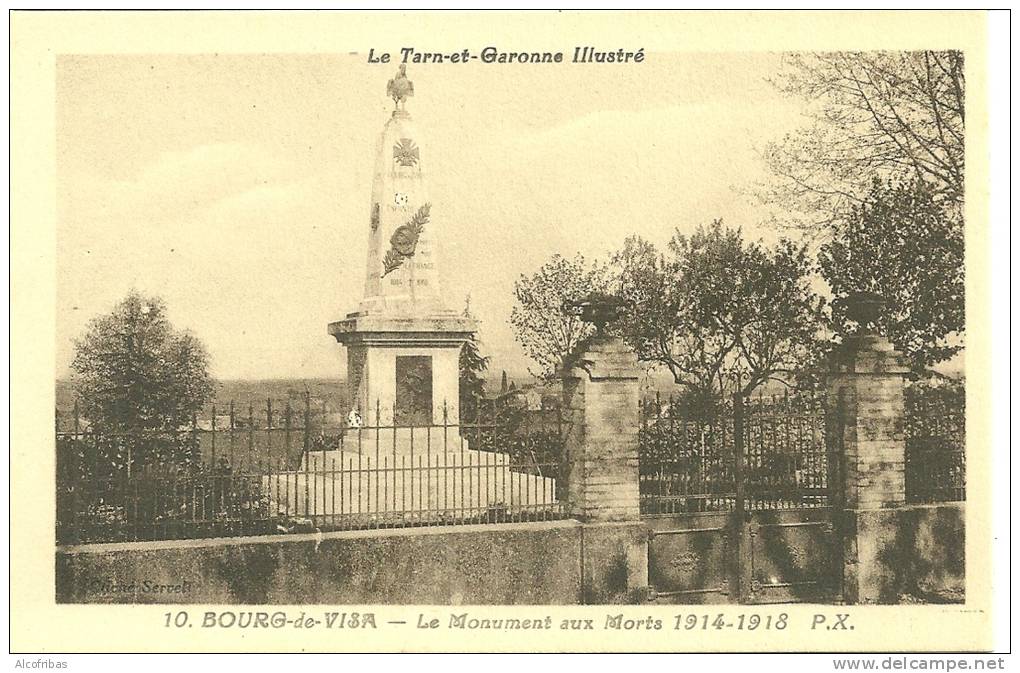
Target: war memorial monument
(405,431)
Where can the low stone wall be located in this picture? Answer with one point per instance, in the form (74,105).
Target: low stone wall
(912,552)
(531,563)
(614,563)
(890,556)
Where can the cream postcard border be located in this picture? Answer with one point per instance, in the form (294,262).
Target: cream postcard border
(39,625)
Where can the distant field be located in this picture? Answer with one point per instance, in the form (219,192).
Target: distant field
(332,392)
(329,392)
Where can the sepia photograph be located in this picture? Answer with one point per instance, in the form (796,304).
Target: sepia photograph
(408,322)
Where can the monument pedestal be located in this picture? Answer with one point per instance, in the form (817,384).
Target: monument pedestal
(404,373)
(409,441)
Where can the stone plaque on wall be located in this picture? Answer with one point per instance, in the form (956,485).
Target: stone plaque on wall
(413,403)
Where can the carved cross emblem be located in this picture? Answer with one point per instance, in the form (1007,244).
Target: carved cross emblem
(405,152)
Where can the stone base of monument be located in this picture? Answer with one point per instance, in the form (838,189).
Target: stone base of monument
(405,441)
(331,461)
(361,489)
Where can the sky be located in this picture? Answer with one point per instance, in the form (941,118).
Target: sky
(238,187)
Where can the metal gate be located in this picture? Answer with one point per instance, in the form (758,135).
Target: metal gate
(738,501)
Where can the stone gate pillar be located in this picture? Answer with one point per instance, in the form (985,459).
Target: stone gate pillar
(867,382)
(601,409)
(866,386)
(600,469)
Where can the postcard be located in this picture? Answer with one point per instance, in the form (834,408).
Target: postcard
(499,331)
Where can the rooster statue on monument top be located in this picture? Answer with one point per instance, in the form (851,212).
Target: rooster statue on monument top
(400,88)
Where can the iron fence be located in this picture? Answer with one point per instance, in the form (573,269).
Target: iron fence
(294,468)
(762,453)
(788,454)
(935,430)
(686,459)
(790,450)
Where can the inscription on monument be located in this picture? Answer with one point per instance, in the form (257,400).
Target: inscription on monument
(413,401)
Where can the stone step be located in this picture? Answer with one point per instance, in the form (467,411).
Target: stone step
(404,441)
(316,461)
(444,492)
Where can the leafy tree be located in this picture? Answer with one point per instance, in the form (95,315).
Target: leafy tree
(546,332)
(777,315)
(472,378)
(904,244)
(666,326)
(140,381)
(888,115)
(713,304)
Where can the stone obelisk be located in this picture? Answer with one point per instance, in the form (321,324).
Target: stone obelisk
(403,343)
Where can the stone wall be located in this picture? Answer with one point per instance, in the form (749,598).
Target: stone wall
(559,563)
(614,563)
(914,552)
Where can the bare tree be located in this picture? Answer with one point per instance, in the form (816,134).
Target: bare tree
(885,115)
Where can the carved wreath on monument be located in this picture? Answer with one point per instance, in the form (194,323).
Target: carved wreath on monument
(404,240)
